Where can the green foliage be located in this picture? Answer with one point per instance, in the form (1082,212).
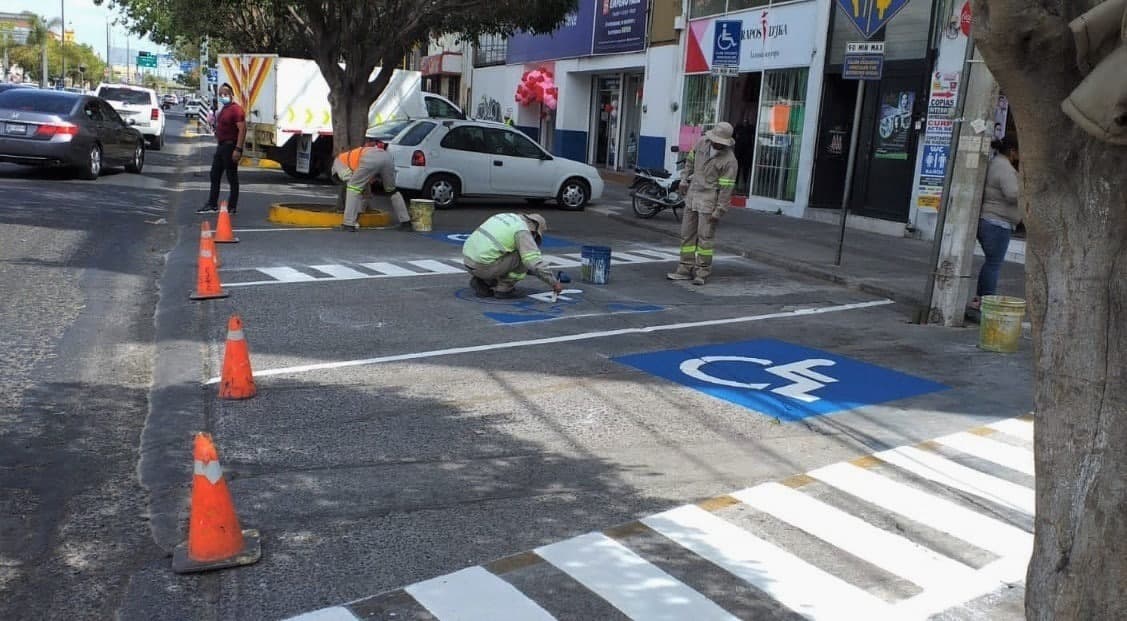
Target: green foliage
(28,57)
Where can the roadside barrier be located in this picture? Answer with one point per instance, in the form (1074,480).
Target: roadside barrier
(237,380)
(215,539)
(224,234)
(207,277)
(207,242)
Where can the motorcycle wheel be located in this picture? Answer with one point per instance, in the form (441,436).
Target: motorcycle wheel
(645,207)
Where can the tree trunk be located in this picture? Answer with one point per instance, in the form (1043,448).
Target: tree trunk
(350,96)
(1074,192)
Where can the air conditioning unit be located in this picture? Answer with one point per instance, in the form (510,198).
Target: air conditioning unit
(679,23)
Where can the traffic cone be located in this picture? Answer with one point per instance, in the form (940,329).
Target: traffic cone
(215,539)
(207,241)
(237,380)
(223,232)
(207,277)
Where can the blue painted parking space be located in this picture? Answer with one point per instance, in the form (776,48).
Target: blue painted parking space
(534,307)
(782,380)
(459,238)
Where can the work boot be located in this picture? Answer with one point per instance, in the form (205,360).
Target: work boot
(679,275)
(698,281)
(351,228)
(480,289)
(405,226)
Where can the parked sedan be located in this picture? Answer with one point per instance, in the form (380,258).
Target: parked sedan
(445,160)
(56,128)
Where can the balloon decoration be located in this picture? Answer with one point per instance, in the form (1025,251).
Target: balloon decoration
(538,86)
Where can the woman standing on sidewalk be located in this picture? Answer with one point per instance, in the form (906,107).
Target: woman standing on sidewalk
(999,216)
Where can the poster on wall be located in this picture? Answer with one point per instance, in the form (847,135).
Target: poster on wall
(937,139)
(895,128)
(571,39)
(620,26)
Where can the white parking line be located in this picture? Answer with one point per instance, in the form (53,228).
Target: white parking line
(584,336)
(946,472)
(474,594)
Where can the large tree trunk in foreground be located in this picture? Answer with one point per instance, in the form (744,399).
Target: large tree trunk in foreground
(1074,191)
(350,97)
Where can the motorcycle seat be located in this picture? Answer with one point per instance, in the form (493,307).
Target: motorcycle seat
(660,173)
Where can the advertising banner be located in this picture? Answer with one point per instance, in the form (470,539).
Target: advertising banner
(937,139)
(570,40)
(620,26)
(770,38)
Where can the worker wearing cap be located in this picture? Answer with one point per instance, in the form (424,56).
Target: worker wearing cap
(357,168)
(502,250)
(709,176)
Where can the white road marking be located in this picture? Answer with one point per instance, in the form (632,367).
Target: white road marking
(626,257)
(389,269)
(438,267)
(1005,571)
(336,613)
(792,581)
(893,553)
(939,513)
(285,274)
(475,594)
(1012,457)
(584,336)
(340,272)
(556,261)
(946,472)
(1016,427)
(641,590)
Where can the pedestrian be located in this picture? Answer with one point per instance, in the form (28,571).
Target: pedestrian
(999,215)
(230,134)
(502,250)
(356,169)
(709,176)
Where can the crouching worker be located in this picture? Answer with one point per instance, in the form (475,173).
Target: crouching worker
(502,250)
(357,169)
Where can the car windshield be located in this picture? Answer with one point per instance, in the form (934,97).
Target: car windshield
(126,95)
(34,100)
(387,130)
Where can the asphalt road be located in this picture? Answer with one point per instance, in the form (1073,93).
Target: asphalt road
(404,429)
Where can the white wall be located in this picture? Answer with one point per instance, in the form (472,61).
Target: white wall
(494,85)
(663,88)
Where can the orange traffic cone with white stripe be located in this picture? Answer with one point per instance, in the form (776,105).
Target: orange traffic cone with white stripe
(223,232)
(215,539)
(237,380)
(207,241)
(207,277)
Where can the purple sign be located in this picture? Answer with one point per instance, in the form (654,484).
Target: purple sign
(620,26)
(571,39)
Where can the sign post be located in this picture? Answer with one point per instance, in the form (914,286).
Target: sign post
(863,61)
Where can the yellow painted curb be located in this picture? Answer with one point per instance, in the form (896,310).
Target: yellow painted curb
(250,162)
(322,215)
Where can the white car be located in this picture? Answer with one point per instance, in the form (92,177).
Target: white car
(138,104)
(447,159)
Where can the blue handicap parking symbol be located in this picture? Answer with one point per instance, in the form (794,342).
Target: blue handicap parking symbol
(780,379)
(546,307)
(459,238)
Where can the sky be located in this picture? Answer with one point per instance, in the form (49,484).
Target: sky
(88,21)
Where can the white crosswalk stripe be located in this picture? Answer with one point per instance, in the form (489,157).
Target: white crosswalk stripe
(920,490)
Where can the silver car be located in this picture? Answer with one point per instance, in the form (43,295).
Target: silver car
(56,128)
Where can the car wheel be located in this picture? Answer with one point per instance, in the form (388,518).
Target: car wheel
(573,194)
(138,162)
(443,190)
(93,166)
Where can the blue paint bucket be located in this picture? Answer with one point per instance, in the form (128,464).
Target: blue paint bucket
(596,264)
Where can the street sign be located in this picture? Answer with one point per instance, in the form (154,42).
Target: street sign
(213,75)
(782,380)
(726,43)
(863,60)
(186,66)
(869,16)
(725,70)
(145,59)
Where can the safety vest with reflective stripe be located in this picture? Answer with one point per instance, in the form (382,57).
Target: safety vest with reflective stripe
(351,159)
(495,237)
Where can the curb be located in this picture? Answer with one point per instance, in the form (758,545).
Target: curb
(789,264)
(315,215)
(255,162)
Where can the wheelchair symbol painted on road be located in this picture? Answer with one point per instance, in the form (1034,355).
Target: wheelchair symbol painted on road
(803,379)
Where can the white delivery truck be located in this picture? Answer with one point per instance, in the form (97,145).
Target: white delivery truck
(289,119)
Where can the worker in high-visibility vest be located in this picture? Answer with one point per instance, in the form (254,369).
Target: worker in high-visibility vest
(502,250)
(356,169)
(707,180)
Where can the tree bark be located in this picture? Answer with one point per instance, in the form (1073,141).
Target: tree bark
(1074,192)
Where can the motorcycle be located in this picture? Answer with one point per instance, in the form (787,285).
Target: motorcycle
(655,190)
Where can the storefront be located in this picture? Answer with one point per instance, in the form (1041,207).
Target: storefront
(442,75)
(764,88)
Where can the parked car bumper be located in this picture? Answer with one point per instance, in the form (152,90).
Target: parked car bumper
(410,177)
(42,152)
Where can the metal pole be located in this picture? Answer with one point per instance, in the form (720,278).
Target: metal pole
(924,314)
(850,164)
(128,62)
(63,38)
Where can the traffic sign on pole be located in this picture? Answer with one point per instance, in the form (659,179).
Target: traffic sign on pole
(869,16)
(863,60)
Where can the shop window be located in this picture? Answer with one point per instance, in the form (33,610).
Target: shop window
(739,5)
(702,8)
(699,112)
(782,111)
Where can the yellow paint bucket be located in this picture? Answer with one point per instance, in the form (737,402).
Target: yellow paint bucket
(1000,326)
(422,215)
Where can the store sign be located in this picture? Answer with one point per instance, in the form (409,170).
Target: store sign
(771,38)
(620,26)
(937,139)
(572,39)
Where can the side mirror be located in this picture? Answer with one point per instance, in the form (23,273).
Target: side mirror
(131,122)
(675,149)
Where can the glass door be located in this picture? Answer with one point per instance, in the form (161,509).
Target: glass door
(605,117)
(631,119)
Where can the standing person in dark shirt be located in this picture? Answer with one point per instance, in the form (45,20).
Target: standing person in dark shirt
(230,132)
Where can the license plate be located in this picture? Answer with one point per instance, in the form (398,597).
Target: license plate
(17,129)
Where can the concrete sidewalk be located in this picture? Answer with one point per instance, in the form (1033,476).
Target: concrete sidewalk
(893,267)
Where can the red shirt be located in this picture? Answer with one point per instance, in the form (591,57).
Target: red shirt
(226,129)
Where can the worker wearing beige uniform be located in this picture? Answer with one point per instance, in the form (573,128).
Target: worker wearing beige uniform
(710,175)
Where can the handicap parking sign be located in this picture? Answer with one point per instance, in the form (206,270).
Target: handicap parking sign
(779,379)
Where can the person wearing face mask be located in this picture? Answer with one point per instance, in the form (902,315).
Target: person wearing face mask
(999,216)
(230,133)
(709,176)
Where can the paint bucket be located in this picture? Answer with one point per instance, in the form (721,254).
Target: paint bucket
(595,262)
(422,215)
(1000,326)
